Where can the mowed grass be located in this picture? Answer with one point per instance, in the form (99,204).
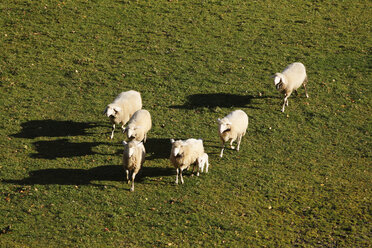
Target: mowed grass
(301,179)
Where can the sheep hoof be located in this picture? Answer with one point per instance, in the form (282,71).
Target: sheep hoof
(197,174)
(233,147)
(131,189)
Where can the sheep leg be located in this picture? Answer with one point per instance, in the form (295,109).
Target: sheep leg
(177,176)
(133,176)
(207,165)
(127,172)
(285,103)
(307,95)
(200,165)
(181,175)
(123,129)
(223,147)
(144,140)
(113,130)
(193,169)
(231,142)
(239,140)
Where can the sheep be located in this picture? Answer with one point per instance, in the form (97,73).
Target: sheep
(138,125)
(233,126)
(290,80)
(185,153)
(122,108)
(133,159)
(203,163)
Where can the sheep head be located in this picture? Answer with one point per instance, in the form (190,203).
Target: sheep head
(224,125)
(131,147)
(112,111)
(177,148)
(132,131)
(279,80)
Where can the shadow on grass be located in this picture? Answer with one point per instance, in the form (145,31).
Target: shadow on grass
(221,100)
(53,128)
(85,177)
(63,148)
(158,148)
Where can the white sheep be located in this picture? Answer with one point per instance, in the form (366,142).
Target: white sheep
(233,126)
(203,162)
(185,153)
(138,125)
(122,108)
(290,80)
(133,159)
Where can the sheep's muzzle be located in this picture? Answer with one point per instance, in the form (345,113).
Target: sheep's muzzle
(227,130)
(279,86)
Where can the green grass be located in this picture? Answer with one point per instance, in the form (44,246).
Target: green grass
(301,179)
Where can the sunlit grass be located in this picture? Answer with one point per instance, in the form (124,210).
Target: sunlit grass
(302,178)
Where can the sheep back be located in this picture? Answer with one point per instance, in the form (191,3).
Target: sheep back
(191,150)
(239,124)
(134,162)
(129,102)
(142,120)
(295,75)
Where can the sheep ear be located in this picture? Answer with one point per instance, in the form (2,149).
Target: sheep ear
(124,143)
(105,111)
(218,120)
(125,129)
(117,109)
(172,141)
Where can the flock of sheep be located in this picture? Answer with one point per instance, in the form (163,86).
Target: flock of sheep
(127,108)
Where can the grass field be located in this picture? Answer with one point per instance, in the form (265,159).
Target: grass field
(301,179)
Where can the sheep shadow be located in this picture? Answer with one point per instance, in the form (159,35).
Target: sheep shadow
(63,148)
(222,100)
(158,148)
(63,176)
(54,128)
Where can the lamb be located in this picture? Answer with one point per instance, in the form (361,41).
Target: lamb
(133,159)
(290,80)
(233,126)
(122,108)
(138,125)
(185,153)
(203,162)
